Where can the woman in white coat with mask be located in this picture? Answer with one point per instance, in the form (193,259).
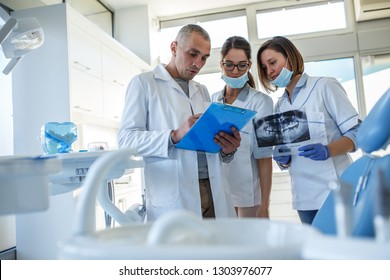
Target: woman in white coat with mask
(160,107)
(333,119)
(250,172)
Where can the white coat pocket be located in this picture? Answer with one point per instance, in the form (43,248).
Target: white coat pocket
(162,182)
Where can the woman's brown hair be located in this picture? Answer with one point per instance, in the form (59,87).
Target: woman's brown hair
(290,52)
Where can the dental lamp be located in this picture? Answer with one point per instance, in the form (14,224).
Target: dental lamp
(18,37)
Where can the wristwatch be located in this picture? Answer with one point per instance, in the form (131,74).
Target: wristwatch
(229,154)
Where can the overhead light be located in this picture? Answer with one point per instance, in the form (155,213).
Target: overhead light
(18,37)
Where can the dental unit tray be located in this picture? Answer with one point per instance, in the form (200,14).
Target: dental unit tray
(24,183)
(75,167)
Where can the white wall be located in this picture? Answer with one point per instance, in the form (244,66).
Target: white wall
(7,228)
(132,30)
(45,88)
(6,147)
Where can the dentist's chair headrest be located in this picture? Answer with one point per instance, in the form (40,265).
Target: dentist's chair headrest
(374,132)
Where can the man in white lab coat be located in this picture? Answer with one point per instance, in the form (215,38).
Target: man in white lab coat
(160,107)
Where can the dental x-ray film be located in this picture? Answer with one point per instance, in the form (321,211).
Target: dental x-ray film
(286,131)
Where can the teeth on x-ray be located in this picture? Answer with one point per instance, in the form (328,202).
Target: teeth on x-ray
(282,128)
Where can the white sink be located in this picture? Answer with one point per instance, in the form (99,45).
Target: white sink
(180,235)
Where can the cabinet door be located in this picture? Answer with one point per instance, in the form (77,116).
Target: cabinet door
(113,101)
(85,52)
(116,68)
(86,93)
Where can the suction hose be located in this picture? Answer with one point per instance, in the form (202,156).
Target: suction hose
(95,180)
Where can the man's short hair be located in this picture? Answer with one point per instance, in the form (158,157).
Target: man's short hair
(186,31)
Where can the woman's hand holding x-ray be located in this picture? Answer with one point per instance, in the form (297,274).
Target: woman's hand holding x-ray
(281,160)
(315,151)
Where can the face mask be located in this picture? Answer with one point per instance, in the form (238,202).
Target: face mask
(236,82)
(283,79)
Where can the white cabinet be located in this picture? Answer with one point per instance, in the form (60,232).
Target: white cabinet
(85,61)
(100,70)
(86,93)
(84,52)
(79,74)
(113,100)
(116,68)
(117,73)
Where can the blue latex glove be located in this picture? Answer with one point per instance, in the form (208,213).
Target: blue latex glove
(282,159)
(315,151)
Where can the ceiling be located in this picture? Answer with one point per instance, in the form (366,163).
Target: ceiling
(160,8)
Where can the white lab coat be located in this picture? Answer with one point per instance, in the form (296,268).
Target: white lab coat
(242,171)
(330,115)
(155,105)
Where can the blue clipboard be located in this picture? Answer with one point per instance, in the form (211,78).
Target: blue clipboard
(218,117)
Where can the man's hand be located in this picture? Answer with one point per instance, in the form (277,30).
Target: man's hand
(229,143)
(178,134)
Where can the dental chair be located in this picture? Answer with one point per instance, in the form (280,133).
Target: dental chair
(365,183)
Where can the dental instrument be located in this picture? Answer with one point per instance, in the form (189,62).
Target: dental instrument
(342,212)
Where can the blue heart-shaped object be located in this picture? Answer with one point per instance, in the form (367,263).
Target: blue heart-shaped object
(58,137)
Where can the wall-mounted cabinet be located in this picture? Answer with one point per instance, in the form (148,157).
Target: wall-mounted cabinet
(116,68)
(84,51)
(117,72)
(86,93)
(80,74)
(100,70)
(113,97)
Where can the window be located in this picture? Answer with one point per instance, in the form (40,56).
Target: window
(376,73)
(329,15)
(220,26)
(212,81)
(342,69)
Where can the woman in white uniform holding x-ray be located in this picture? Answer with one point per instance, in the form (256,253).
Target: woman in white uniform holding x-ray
(332,118)
(250,172)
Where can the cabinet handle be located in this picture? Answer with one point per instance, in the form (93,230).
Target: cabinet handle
(118,83)
(82,65)
(82,108)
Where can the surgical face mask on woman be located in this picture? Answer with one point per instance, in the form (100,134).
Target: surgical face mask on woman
(236,82)
(283,79)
